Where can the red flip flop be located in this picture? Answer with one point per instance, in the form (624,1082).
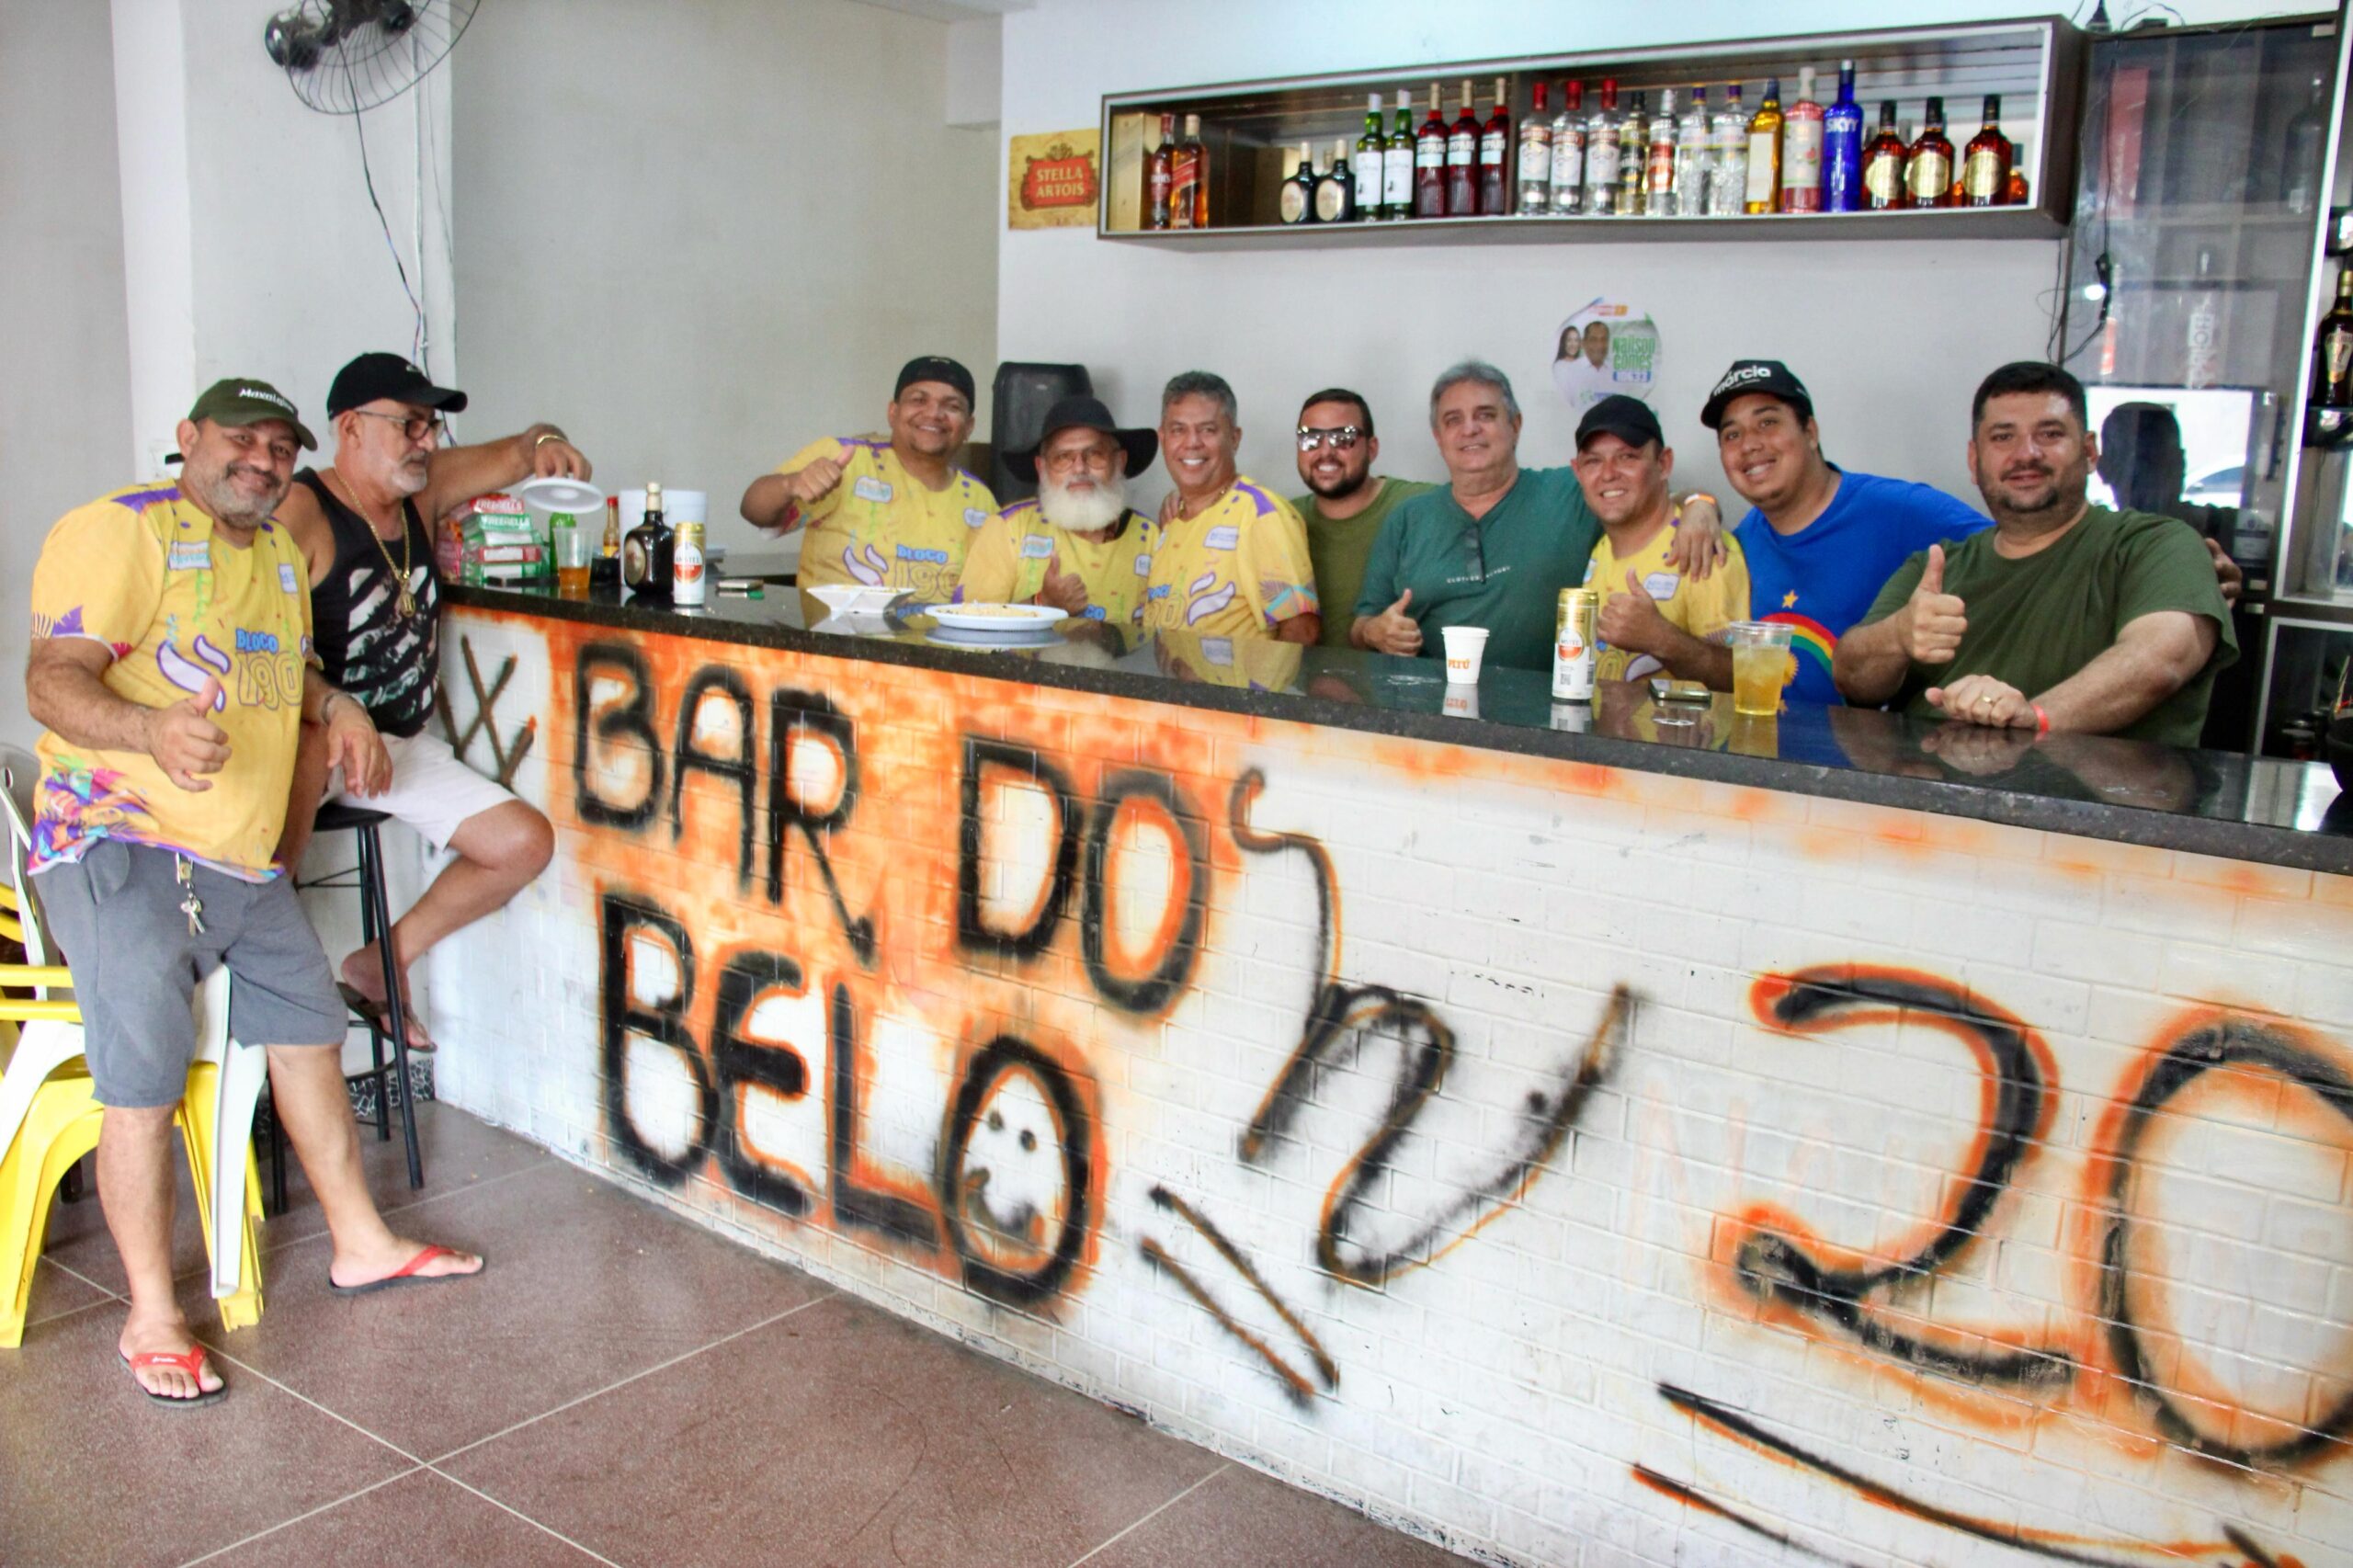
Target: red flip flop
(406,1274)
(189,1361)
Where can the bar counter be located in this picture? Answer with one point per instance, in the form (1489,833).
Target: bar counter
(1545,1126)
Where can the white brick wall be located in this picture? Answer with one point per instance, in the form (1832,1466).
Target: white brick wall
(1557,1362)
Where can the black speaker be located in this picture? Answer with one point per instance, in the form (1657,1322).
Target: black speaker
(1019,400)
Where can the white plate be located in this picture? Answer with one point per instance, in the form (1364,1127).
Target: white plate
(949,637)
(853,598)
(1001,620)
(554,493)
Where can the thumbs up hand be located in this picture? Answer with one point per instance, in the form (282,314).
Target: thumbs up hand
(1631,620)
(1395,632)
(184,740)
(1063,590)
(1934,620)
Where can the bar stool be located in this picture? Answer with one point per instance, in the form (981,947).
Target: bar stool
(391,1020)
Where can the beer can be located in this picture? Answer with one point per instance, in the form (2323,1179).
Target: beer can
(1573,650)
(690,580)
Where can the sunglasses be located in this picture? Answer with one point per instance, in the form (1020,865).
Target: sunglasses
(1343,440)
(1478,553)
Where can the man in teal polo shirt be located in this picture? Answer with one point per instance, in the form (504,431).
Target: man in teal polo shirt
(1498,542)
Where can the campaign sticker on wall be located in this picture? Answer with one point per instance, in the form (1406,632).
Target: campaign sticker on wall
(1606,348)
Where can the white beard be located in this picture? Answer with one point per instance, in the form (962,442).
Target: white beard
(1086,512)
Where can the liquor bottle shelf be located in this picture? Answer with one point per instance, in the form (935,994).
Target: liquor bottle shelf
(1938,224)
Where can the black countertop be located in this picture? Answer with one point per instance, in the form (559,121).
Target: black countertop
(2207,802)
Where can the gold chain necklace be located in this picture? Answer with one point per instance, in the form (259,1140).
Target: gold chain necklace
(406,603)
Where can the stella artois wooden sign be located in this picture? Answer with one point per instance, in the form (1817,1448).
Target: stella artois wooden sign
(1053,180)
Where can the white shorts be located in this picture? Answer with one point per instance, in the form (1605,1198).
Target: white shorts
(431,790)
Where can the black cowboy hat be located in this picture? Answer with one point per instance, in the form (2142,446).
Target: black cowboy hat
(1084,412)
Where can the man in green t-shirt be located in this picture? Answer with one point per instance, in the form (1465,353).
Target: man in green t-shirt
(1345,502)
(1496,545)
(2063,615)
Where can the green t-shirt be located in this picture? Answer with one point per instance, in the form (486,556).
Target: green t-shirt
(2033,622)
(1340,546)
(1503,572)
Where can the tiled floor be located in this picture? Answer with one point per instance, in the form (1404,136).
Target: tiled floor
(620,1387)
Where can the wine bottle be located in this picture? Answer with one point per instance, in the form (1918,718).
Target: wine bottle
(1803,128)
(1430,161)
(1398,162)
(1372,157)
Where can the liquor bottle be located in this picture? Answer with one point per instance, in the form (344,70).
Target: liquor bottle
(1985,165)
(1429,162)
(2014,193)
(1295,203)
(1398,162)
(1928,169)
(1187,166)
(1728,182)
(1601,153)
(1634,157)
(1661,197)
(1157,177)
(2202,362)
(605,572)
(1495,159)
(2333,349)
(1802,136)
(1463,162)
(1692,162)
(1536,159)
(1883,163)
(1764,190)
(1336,189)
(1568,152)
(1372,157)
(1842,147)
(648,562)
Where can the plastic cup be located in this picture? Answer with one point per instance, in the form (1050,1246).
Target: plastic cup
(1761,666)
(1466,646)
(574,556)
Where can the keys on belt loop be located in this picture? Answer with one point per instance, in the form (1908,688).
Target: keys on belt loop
(190,906)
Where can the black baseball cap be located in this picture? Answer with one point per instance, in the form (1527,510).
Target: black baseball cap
(240,400)
(372,376)
(933,367)
(1628,418)
(1084,414)
(1769,377)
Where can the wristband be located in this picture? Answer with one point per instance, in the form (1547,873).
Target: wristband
(2042,718)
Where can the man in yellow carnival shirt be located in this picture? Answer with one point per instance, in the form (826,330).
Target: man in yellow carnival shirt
(1653,616)
(1232,560)
(892,513)
(172,667)
(1077,547)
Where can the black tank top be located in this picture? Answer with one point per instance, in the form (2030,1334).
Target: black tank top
(387,660)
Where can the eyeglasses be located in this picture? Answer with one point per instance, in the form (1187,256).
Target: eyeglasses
(416,426)
(1077,457)
(1343,440)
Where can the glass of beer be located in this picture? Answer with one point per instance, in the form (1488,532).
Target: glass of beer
(573,559)
(1761,666)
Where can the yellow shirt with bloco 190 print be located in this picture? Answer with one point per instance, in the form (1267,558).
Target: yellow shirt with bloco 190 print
(1235,571)
(1011,553)
(142,572)
(884,527)
(1700,606)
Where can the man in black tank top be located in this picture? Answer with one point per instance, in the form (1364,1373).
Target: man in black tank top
(365,525)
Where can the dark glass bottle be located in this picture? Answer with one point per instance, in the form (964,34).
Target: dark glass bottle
(1883,163)
(1927,172)
(1296,201)
(2333,349)
(1985,165)
(1158,177)
(1430,161)
(1495,159)
(1463,162)
(648,553)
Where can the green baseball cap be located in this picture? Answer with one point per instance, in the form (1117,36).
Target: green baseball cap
(241,399)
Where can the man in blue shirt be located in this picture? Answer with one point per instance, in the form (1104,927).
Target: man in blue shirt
(1821,542)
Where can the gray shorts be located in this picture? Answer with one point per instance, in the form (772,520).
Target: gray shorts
(117,914)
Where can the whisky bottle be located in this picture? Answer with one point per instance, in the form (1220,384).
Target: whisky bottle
(1802,130)
(1634,157)
(1601,153)
(1693,164)
(1463,162)
(1764,191)
(1398,162)
(1296,202)
(1536,159)
(2333,349)
(1201,171)
(605,572)
(1187,166)
(648,553)
(1158,178)
(1372,156)
(1335,188)
(1661,197)
(1728,181)
(1883,163)
(1495,159)
(1568,152)
(1985,165)
(1842,147)
(1430,161)
(1928,170)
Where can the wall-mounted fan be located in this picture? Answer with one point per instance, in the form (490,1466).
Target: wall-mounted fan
(344,56)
